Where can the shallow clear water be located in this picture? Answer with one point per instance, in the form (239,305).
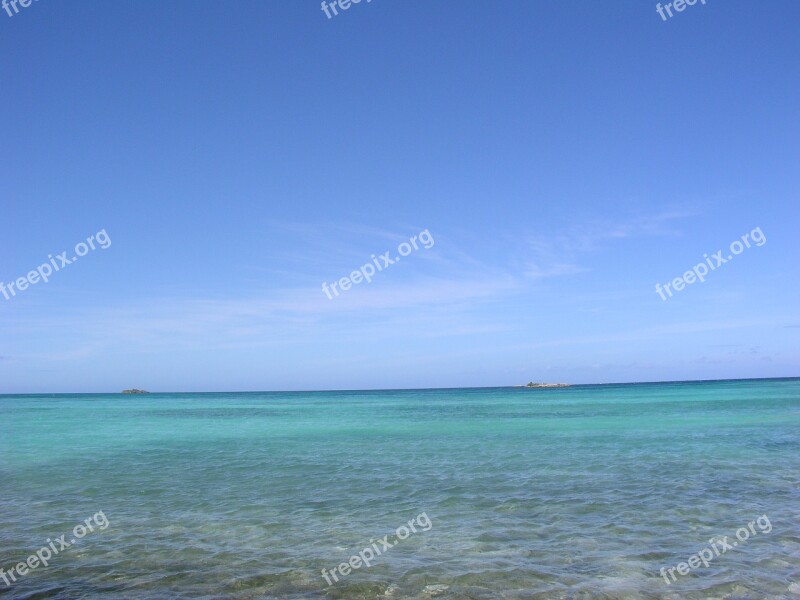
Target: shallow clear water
(583,492)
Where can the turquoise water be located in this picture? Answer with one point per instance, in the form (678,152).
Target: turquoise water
(582,492)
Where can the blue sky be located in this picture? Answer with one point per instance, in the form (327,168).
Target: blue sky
(564,156)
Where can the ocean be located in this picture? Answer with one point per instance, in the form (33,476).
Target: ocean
(591,491)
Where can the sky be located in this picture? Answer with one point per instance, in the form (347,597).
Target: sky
(562,157)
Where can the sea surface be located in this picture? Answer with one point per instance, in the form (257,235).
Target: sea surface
(582,492)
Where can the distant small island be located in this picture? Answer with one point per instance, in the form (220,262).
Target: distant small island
(532,384)
(135,391)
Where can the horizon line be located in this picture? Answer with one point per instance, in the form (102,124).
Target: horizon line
(482,387)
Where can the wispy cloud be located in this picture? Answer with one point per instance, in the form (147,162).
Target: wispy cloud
(558,253)
(590,236)
(451,293)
